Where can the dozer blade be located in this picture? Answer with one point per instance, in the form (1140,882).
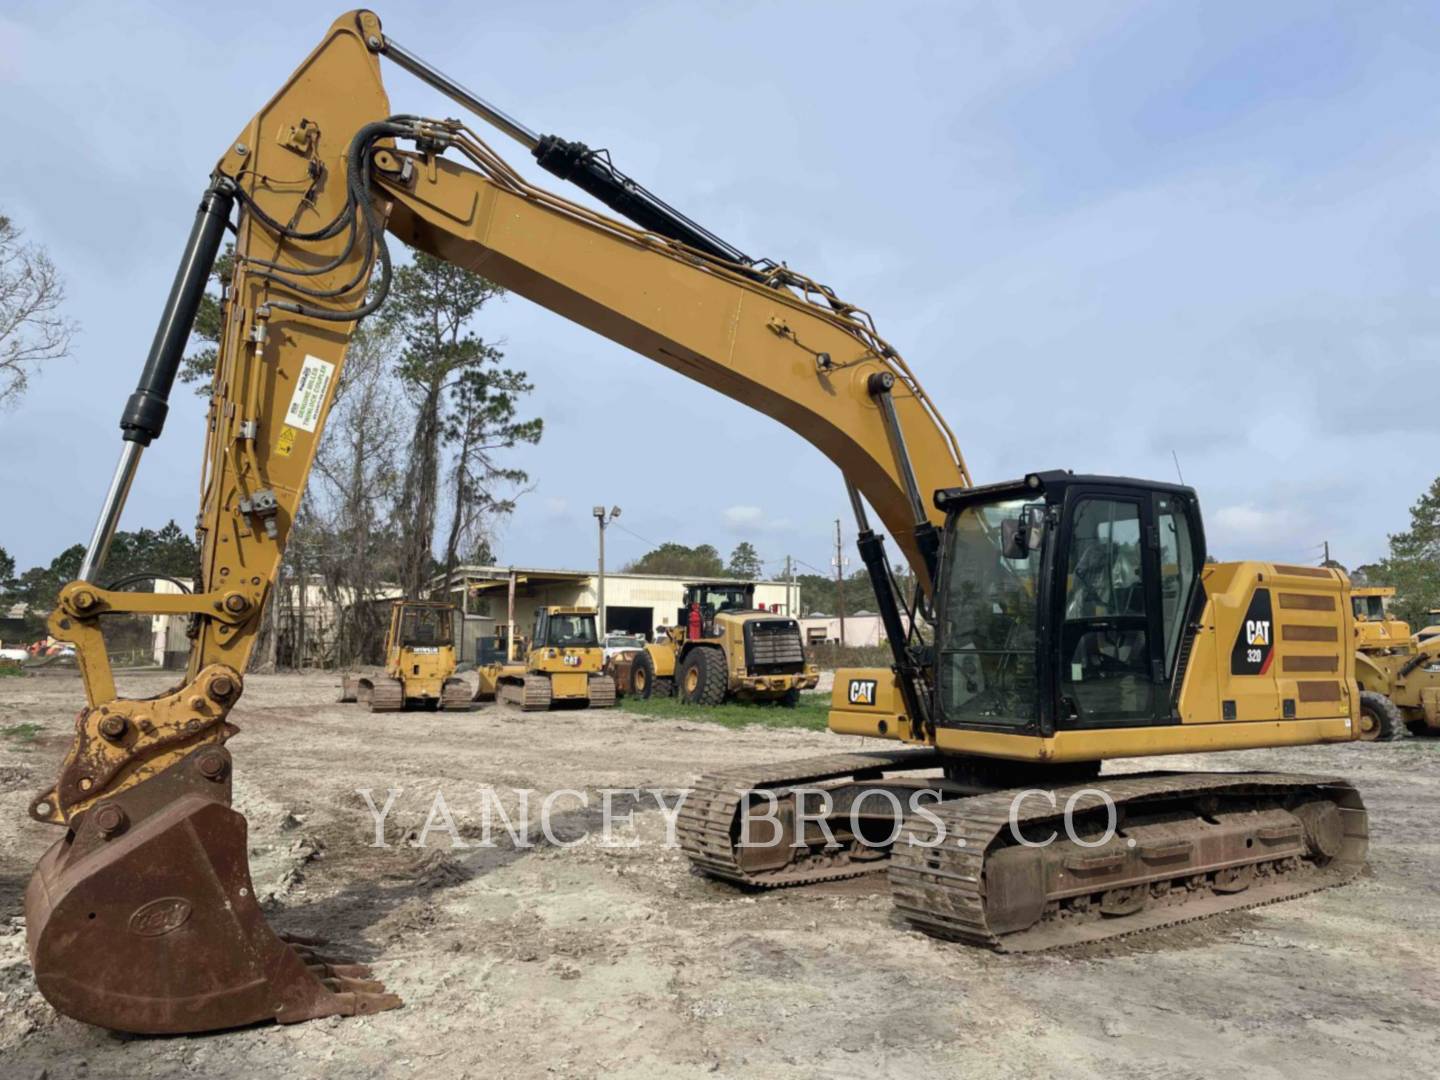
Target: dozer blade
(143,918)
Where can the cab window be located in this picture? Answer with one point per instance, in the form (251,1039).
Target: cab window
(425,627)
(1177,570)
(987,673)
(1105,664)
(570,631)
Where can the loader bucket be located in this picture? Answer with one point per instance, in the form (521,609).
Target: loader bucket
(144,919)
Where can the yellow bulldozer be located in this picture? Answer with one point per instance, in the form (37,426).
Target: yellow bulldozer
(721,647)
(1398,675)
(419,663)
(561,665)
(1057,621)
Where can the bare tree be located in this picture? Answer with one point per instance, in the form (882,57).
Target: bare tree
(349,535)
(32,328)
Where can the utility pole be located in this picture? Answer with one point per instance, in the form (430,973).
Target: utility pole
(602,519)
(1327,554)
(510,619)
(304,588)
(792,602)
(840,579)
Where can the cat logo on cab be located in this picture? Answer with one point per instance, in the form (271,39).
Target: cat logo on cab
(862,691)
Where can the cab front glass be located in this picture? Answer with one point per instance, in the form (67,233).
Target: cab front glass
(986,670)
(425,627)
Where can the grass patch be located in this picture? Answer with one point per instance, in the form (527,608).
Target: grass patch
(810,715)
(22,733)
(10,669)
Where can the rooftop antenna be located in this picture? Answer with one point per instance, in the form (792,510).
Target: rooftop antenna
(1177,466)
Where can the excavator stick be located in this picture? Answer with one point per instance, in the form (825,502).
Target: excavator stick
(143,918)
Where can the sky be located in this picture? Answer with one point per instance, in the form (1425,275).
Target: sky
(1105,236)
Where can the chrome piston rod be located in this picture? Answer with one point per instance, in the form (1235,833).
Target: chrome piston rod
(431,75)
(109,519)
(145,411)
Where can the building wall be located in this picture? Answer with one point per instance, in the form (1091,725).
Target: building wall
(170,647)
(661,596)
(860,630)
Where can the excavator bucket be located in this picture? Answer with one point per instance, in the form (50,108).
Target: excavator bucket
(144,919)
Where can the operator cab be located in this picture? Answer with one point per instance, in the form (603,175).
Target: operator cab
(713,599)
(565,629)
(1064,602)
(425,626)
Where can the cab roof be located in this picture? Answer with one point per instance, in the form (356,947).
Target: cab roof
(1052,485)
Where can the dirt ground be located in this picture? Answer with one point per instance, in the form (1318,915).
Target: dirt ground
(594,960)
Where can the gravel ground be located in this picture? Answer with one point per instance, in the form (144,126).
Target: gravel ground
(604,960)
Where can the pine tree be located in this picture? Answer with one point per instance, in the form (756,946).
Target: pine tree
(745,563)
(1413,565)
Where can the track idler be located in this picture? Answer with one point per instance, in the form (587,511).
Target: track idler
(143,918)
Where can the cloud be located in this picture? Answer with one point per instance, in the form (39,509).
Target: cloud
(1284,531)
(748,520)
(1247,522)
(556,507)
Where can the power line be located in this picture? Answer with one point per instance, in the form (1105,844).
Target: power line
(632,532)
(812,569)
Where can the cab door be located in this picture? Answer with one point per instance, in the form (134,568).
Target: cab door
(1110,662)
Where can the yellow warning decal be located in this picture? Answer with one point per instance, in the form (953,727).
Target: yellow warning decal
(286,442)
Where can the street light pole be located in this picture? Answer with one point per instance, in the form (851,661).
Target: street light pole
(602,519)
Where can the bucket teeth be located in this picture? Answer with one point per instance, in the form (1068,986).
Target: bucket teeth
(352,971)
(341,984)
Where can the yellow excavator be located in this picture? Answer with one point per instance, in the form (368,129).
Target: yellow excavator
(561,666)
(419,663)
(1058,620)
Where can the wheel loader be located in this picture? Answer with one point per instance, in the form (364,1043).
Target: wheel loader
(561,667)
(1398,676)
(720,648)
(419,663)
(1072,619)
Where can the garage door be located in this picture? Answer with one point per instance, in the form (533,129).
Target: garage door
(630,620)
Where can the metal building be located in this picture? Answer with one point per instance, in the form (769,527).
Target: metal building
(634,603)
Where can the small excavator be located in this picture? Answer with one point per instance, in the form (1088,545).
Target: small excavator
(419,663)
(1057,620)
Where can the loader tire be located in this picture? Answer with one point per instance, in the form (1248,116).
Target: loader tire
(1380,720)
(791,698)
(642,676)
(702,677)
